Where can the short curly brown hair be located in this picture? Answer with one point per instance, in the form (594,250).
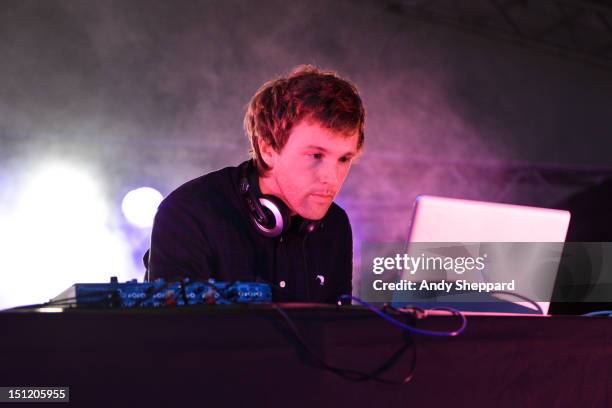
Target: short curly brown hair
(307,93)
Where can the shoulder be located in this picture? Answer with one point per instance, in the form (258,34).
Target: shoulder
(209,201)
(204,190)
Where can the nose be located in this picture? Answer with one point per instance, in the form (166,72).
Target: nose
(329,175)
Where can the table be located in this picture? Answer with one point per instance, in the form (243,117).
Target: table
(248,356)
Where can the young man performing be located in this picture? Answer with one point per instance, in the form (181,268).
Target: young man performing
(272,218)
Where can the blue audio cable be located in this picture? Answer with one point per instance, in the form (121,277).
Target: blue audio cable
(411,329)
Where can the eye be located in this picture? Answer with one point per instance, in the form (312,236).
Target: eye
(345,159)
(317,156)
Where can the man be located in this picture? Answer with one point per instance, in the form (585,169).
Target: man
(272,218)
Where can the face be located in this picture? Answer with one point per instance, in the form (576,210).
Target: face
(310,169)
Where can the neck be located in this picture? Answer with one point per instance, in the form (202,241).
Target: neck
(269,186)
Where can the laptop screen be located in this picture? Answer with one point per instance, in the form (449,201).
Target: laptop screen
(477,228)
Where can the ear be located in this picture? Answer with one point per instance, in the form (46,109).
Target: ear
(268,154)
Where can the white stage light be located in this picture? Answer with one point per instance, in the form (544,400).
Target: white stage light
(140,205)
(58,232)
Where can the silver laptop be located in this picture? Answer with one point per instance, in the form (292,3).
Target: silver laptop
(516,244)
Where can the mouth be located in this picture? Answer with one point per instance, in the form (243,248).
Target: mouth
(323,197)
(327,194)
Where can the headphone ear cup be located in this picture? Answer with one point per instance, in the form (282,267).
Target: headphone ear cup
(277,212)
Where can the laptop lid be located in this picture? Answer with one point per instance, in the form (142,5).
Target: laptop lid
(495,229)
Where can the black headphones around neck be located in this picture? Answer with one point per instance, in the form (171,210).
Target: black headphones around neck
(269,214)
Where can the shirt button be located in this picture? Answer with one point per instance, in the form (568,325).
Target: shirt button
(282,284)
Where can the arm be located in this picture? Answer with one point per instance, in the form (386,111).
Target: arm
(179,248)
(345,266)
